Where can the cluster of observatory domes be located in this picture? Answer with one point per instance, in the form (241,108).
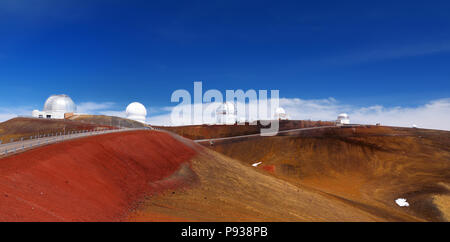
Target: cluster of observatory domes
(61,106)
(227,114)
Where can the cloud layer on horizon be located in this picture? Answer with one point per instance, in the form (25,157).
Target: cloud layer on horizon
(434,115)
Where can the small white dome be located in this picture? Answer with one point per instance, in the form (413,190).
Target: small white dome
(280,113)
(280,110)
(136,111)
(342,119)
(226,108)
(60,104)
(342,116)
(226,113)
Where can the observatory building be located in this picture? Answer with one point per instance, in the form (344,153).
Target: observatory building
(226,113)
(136,111)
(342,119)
(280,114)
(57,107)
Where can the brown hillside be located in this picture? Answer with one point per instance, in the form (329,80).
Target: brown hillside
(219,131)
(367,166)
(18,128)
(108,120)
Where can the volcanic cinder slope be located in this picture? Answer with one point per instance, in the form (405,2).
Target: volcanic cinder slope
(326,174)
(98,178)
(368,167)
(230,191)
(152,176)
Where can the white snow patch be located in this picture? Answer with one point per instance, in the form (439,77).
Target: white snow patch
(402,202)
(256,164)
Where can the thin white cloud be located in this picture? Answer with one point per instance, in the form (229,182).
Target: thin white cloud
(94,107)
(433,115)
(6,116)
(7,113)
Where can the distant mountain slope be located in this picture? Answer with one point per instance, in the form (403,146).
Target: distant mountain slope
(108,120)
(18,128)
(369,166)
(219,131)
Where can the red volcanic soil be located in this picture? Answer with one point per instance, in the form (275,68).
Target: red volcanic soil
(269,168)
(98,178)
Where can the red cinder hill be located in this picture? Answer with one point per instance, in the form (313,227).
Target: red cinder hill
(97,178)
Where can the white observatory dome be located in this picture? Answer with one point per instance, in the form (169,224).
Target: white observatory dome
(226,108)
(60,104)
(342,119)
(342,116)
(136,111)
(56,107)
(226,113)
(35,113)
(280,113)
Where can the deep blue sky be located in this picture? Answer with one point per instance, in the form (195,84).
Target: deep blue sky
(360,52)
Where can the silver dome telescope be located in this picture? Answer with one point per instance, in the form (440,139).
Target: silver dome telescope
(60,103)
(56,106)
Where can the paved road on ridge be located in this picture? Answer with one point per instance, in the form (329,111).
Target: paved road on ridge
(18,146)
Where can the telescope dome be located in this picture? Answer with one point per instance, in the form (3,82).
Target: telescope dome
(60,104)
(136,111)
(226,108)
(343,116)
(226,113)
(343,119)
(280,113)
